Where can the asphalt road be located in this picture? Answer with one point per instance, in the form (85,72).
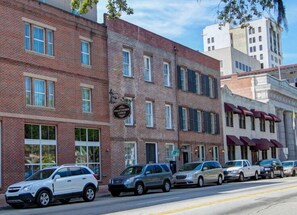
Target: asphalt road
(273,196)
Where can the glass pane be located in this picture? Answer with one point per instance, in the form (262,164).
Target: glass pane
(81,154)
(95,168)
(44,132)
(32,154)
(90,135)
(83,135)
(49,154)
(51,132)
(27,36)
(27,131)
(30,170)
(94,154)
(77,134)
(96,135)
(35,132)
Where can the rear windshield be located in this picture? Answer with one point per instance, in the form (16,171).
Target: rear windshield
(288,163)
(132,170)
(233,164)
(191,166)
(264,162)
(41,174)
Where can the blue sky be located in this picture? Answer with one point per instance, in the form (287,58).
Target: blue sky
(183,21)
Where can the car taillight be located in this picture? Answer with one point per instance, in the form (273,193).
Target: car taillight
(96,176)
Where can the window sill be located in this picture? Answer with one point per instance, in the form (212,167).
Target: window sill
(130,126)
(150,127)
(87,112)
(129,77)
(86,66)
(41,107)
(167,86)
(39,54)
(169,129)
(149,82)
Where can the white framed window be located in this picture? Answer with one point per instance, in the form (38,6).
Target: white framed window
(130,119)
(50,42)
(40,147)
(130,149)
(38,39)
(168,116)
(149,114)
(86,100)
(185,119)
(85,52)
(166,74)
(215,153)
(201,153)
(213,123)
(27,32)
(39,92)
(199,121)
(169,148)
(147,68)
(183,79)
(88,148)
(50,94)
(126,60)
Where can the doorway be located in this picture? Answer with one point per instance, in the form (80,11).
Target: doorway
(151,149)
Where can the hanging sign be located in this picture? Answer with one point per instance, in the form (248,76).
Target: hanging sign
(121,111)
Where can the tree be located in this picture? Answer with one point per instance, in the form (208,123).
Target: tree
(231,11)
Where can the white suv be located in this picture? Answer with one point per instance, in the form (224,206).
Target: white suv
(54,183)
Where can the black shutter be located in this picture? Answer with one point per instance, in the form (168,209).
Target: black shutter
(205,121)
(179,84)
(195,121)
(191,114)
(194,82)
(207,86)
(180,115)
(205,83)
(216,87)
(217,123)
(190,81)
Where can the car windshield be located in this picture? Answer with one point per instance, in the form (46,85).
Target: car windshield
(232,164)
(288,163)
(190,166)
(264,162)
(41,174)
(132,170)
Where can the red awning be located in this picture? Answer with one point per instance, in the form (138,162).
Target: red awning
(275,118)
(231,108)
(245,111)
(233,140)
(261,114)
(276,143)
(262,144)
(247,141)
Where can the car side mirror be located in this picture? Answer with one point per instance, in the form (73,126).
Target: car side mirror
(57,177)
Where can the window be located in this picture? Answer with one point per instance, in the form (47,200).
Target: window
(254,39)
(86,100)
(251,49)
(260,47)
(166,74)
(231,152)
(260,38)
(183,79)
(264,154)
(208,40)
(85,52)
(129,119)
(261,56)
(254,48)
(252,123)
(183,118)
(251,40)
(208,48)
(262,124)
(212,39)
(212,48)
(87,148)
(259,29)
(40,147)
(169,148)
(199,121)
(271,126)
(42,94)
(130,154)
(215,153)
(211,87)
(198,85)
(241,118)
(168,117)
(213,123)
(41,40)
(147,69)
(236,64)
(229,119)
(201,153)
(149,114)
(273,152)
(127,68)
(244,152)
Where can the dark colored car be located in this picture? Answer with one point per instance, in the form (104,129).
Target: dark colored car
(140,178)
(271,168)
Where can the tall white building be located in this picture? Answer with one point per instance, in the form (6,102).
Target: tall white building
(260,40)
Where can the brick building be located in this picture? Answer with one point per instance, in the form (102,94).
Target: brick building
(174,99)
(53,91)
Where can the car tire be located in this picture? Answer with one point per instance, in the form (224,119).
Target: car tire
(241,177)
(256,177)
(89,194)
(294,173)
(115,193)
(271,175)
(200,182)
(139,189)
(166,186)
(220,180)
(17,206)
(281,175)
(43,198)
(64,201)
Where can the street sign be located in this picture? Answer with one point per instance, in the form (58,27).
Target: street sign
(175,152)
(121,111)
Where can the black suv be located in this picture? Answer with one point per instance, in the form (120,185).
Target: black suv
(271,168)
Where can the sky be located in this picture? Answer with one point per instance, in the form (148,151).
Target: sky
(183,21)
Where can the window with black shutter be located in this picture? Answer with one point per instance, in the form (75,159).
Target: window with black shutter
(217,123)
(179,84)
(215,83)
(180,115)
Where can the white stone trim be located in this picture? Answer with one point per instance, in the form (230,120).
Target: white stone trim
(85,39)
(56,119)
(27,74)
(40,24)
(87,86)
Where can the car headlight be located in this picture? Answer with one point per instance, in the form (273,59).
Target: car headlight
(192,175)
(27,187)
(235,171)
(266,169)
(129,181)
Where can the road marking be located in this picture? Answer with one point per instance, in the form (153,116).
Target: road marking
(195,206)
(160,200)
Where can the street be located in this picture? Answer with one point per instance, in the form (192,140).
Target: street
(271,196)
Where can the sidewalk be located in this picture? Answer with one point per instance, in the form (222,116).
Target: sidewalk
(103,191)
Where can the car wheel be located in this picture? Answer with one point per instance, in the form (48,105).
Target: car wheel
(200,182)
(281,174)
(294,173)
(271,175)
(166,186)
(256,177)
(220,180)
(139,189)
(64,201)
(17,206)
(115,193)
(43,198)
(89,194)
(241,177)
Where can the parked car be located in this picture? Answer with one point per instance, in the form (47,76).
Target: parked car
(240,169)
(199,173)
(290,168)
(53,183)
(271,168)
(140,178)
